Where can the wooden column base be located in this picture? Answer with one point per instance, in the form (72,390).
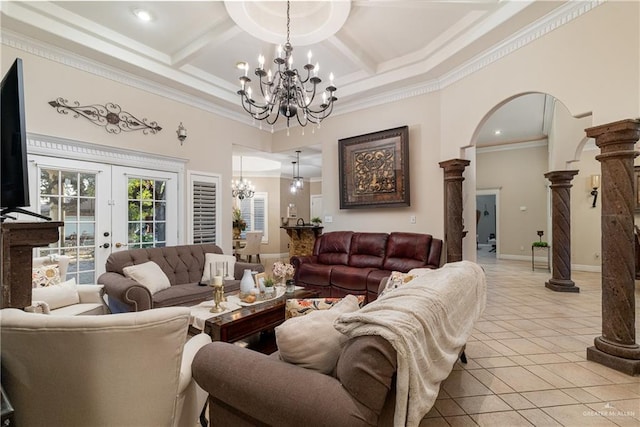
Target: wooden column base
(627,366)
(560,285)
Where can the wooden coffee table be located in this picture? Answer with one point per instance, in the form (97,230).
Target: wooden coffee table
(247,321)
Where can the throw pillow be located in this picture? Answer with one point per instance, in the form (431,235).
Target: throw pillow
(149,275)
(299,307)
(311,341)
(396,280)
(56,296)
(45,275)
(213,261)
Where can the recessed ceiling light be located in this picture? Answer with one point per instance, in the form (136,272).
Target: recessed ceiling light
(497,132)
(143,15)
(241,65)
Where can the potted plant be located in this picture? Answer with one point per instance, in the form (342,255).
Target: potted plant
(316,221)
(540,244)
(269,284)
(239,224)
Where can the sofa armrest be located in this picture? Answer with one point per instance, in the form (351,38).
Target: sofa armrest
(241,266)
(127,291)
(192,346)
(271,391)
(296,260)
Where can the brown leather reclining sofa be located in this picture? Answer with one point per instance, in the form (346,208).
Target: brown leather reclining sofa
(347,262)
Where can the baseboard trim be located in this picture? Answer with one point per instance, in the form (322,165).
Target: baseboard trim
(574,267)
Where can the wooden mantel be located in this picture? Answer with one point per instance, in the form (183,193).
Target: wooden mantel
(17,241)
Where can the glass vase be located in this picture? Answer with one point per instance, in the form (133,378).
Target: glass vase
(291,286)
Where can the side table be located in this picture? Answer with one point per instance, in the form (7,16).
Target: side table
(539,248)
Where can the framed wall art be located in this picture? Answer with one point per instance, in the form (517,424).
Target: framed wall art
(374,170)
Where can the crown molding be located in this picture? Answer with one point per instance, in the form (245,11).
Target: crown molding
(52,146)
(536,30)
(512,146)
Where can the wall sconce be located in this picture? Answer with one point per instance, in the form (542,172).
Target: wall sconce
(182,133)
(595,184)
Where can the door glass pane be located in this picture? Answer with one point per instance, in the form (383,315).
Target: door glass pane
(69,196)
(147,212)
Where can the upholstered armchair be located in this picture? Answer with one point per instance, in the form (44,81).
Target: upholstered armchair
(68,299)
(131,369)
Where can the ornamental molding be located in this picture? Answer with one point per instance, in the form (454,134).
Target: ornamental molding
(70,149)
(559,17)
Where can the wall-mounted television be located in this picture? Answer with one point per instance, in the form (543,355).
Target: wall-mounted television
(14,185)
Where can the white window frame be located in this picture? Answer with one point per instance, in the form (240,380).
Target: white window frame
(250,220)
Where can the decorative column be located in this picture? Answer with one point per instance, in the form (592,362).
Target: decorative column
(453,225)
(561,231)
(617,347)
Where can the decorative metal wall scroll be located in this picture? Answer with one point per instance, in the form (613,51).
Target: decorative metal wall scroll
(374,170)
(110,116)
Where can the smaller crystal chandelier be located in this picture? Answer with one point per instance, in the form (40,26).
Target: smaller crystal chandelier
(242,189)
(286,91)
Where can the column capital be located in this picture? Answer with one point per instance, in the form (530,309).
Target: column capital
(454,165)
(454,168)
(619,128)
(562,177)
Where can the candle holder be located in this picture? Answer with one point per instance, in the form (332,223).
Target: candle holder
(218,296)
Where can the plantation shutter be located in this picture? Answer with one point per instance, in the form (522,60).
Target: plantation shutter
(204,212)
(254,212)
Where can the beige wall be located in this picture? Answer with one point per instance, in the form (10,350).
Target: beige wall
(210,137)
(590,64)
(585,220)
(519,176)
(421,114)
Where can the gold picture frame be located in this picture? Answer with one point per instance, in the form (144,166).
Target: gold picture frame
(259,279)
(374,170)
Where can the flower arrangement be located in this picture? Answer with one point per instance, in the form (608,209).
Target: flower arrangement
(238,222)
(282,270)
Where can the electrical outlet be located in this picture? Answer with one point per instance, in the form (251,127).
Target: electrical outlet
(328,219)
(412,219)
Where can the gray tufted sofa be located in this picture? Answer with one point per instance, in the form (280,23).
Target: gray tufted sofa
(183,265)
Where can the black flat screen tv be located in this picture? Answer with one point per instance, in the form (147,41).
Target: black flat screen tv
(14,176)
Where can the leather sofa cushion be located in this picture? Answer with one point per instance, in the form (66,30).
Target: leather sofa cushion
(368,249)
(334,248)
(350,278)
(406,251)
(315,274)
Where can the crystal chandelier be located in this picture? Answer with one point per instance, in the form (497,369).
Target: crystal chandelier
(285,91)
(242,189)
(297,183)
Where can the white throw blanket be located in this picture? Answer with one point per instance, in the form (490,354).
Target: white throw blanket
(427,321)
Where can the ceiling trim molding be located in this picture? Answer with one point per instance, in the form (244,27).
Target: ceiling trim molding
(52,146)
(514,146)
(559,17)
(61,56)
(541,27)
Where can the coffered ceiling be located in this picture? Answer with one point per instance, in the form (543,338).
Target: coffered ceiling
(378,50)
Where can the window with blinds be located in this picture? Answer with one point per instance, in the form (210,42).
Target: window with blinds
(254,212)
(204,211)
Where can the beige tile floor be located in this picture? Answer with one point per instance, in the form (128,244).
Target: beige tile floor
(527,358)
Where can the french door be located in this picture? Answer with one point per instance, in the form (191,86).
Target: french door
(104,208)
